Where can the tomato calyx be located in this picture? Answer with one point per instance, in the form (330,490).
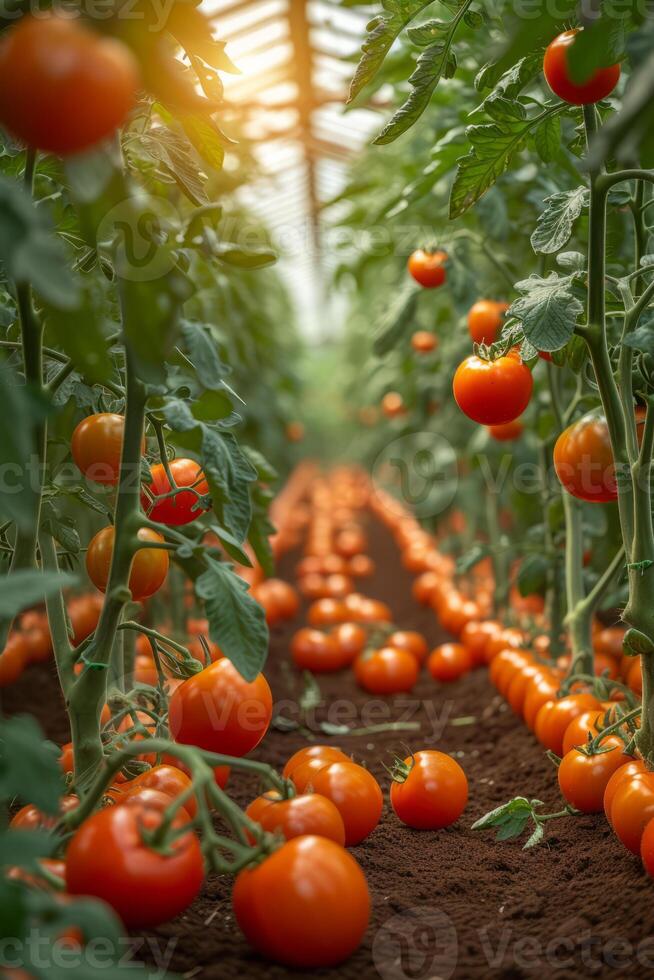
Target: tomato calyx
(401,769)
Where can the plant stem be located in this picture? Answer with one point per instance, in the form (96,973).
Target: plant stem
(579,616)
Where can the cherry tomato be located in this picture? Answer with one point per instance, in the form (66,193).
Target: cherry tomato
(583,778)
(108,859)
(430,792)
(647,848)
(541,689)
(634,768)
(84,613)
(485,321)
(493,392)
(583,460)
(305,906)
(279,599)
(31,818)
(63,87)
(356,794)
(428,268)
(360,566)
(328,753)
(327,612)
(350,639)
(308,814)
(424,586)
(448,662)
(554,718)
(393,405)
(507,431)
(166,779)
(218,710)
(152,799)
(149,567)
(411,641)
(294,432)
(475,636)
(386,671)
(96,446)
(183,507)
(39,643)
(557,74)
(632,809)
(13,659)
(580,728)
(316,651)
(423,342)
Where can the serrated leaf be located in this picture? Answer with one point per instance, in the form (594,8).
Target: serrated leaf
(29,767)
(548,310)
(640,339)
(206,139)
(426,34)
(547,139)
(382,33)
(203,352)
(431,65)
(555,223)
(575,261)
(237,623)
(536,837)
(397,320)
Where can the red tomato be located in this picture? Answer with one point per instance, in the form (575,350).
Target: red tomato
(634,768)
(108,859)
(326,753)
(428,268)
(63,87)
(475,636)
(583,778)
(493,392)
(327,612)
(411,641)
(583,460)
(305,906)
(218,710)
(166,779)
(647,848)
(308,814)
(152,799)
(554,718)
(39,643)
(279,599)
(360,566)
(356,794)
(632,809)
(350,639)
(96,446)
(316,651)
(580,728)
(485,321)
(507,431)
(557,74)
(184,507)
(84,613)
(31,818)
(149,567)
(424,342)
(386,671)
(13,659)
(393,405)
(448,662)
(432,791)
(424,586)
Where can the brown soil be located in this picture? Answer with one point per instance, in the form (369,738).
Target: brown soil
(449,904)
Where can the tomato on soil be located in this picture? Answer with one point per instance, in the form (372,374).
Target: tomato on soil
(553,719)
(300,815)
(327,753)
(583,778)
(557,74)
(64,87)
(386,671)
(634,768)
(350,639)
(493,392)
(218,710)
(428,268)
(183,507)
(356,794)
(316,651)
(632,808)
(411,641)
(448,662)
(108,859)
(305,906)
(166,779)
(149,566)
(430,792)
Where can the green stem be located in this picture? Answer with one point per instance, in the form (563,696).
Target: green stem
(64,653)
(579,617)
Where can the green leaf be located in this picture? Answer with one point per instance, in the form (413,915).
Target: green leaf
(80,335)
(29,767)
(600,44)
(22,847)
(548,310)
(431,66)
(206,138)
(555,223)
(383,31)
(532,575)
(88,174)
(62,527)
(237,622)
(426,34)
(173,154)
(398,319)
(24,588)
(547,139)
(642,338)
(254,257)
(513,80)
(203,352)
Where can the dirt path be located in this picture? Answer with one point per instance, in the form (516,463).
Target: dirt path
(449,904)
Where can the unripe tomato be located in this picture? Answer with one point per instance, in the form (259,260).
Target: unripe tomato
(63,87)
(485,320)
(493,392)
(423,342)
(184,507)
(557,74)
(431,792)
(96,446)
(356,794)
(108,859)
(218,710)
(583,460)
(428,268)
(306,814)
(583,778)
(386,671)
(149,566)
(305,906)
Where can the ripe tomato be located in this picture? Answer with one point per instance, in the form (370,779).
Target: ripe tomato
(609,641)
(393,405)
(583,778)
(63,87)
(557,74)
(308,814)
(632,809)
(475,636)
(327,612)
(149,567)
(166,779)
(554,718)
(350,639)
(184,507)
(448,662)
(423,342)
(328,753)
(411,641)
(218,710)
(13,659)
(356,794)
(31,818)
(84,613)
(579,728)
(386,671)
(541,688)
(424,586)
(305,906)
(431,791)
(428,268)
(634,768)
(507,431)
(294,431)
(316,651)
(39,643)
(647,848)
(485,320)
(360,566)
(96,446)
(108,859)
(152,799)
(583,460)
(493,392)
